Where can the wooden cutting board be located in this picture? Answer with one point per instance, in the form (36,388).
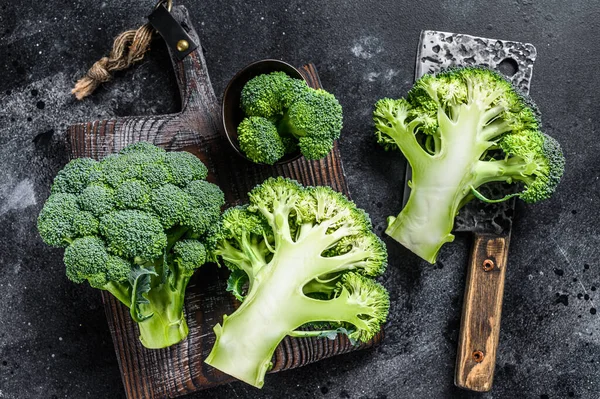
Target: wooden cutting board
(180,369)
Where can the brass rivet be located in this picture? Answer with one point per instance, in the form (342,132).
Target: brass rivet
(182,45)
(488,265)
(478,356)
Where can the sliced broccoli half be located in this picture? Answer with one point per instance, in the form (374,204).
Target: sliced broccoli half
(308,257)
(134,224)
(459,130)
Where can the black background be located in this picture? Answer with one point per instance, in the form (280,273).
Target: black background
(54,339)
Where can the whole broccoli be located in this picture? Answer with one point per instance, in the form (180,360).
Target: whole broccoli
(307,256)
(459,130)
(284,114)
(135,224)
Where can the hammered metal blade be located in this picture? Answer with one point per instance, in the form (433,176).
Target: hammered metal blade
(440,50)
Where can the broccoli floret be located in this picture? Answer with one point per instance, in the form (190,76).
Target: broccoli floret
(74,177)
(315,119)
(117,168)
(155,167)
(98,199)
(85,224)
(189,255)
(55,222)
(205,195)
(133,234)
(133,194)
(292,90)
(134,224)
(308,256)
(284,114)
(260,141)
(171,204)
(361,292)
(185,168)
(206,200)
(459,130)
(261,96)
(86,259)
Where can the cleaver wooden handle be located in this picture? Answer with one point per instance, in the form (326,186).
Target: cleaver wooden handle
(482,308)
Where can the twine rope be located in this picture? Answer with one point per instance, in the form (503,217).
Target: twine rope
(129,47)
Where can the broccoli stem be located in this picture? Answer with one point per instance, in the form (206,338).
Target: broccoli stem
(309,334)
(504,170)
(438,188)
(246,341)
(119,291)
(321,285)
(167,326)
(286,128)
(174,235)
(426,222)
(247,338)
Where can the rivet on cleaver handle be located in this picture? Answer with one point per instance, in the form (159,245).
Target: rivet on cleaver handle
(490,223)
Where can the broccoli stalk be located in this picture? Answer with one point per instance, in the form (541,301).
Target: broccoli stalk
(460,130)
(290,238)
(134,224)
(167,326)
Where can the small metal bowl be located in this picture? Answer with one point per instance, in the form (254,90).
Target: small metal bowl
(232,111)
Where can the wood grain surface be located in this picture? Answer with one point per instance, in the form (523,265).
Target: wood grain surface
(482,309)
(180,369)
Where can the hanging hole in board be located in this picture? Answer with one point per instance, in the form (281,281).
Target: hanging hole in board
(508,67)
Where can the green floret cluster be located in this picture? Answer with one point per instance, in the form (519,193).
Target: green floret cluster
(301,258)
(459,130)
(283,115)
(135,224)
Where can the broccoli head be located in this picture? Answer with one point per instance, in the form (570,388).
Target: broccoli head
(459,130)
(134,224)
(284,115)
(301,257)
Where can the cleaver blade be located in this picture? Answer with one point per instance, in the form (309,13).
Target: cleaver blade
(490,223)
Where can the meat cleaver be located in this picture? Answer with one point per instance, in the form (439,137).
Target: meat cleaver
(489,223)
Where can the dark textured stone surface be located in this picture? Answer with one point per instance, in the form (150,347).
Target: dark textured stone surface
(54,340)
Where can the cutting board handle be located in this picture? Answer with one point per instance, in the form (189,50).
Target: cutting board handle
(482,308)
